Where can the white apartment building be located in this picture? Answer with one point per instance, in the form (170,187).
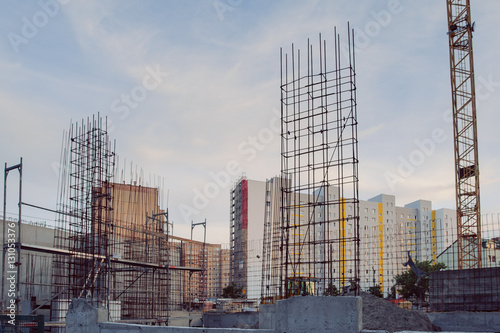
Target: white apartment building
(387,233)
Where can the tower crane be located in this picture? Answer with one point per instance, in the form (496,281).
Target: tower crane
(460,30)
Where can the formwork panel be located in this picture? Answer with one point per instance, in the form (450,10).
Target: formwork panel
(465,290)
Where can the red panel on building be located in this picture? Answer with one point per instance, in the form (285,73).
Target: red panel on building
(244,204)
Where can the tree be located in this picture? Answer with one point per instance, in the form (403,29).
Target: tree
(407,281)
(232,291)
(376,290)
(331,290)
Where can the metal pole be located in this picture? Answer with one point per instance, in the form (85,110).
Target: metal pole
(190,300)
(3,234)
(192,227)
(190,273)
(18,236)
(204,271)
(18,245)
(168,271)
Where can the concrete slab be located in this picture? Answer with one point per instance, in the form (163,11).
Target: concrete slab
(231,320)
(82,317)
(130,328)
(319,314)
(267,316)
(466,321)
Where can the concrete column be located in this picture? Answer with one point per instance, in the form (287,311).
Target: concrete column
(82,317)
(319,314)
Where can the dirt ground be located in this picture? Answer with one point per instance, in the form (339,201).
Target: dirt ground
(379,314)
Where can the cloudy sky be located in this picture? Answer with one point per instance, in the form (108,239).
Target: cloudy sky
(191,93)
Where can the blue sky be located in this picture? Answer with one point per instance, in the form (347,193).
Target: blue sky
(191,92)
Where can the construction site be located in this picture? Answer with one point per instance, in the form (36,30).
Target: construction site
(305,253)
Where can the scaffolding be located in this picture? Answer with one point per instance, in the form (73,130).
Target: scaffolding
(84,222)
(113,243)
(319,238)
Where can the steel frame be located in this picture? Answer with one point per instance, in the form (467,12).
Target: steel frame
(319,239)
(460,30)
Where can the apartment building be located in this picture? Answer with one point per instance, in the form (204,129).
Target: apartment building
(247,209)
(388,235)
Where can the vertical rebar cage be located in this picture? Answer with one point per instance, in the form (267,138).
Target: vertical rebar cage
(84,224)
(319,172)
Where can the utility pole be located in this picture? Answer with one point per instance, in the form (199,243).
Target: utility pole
(12,234)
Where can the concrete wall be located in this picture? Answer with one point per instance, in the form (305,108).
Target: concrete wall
(466,321)
(267,316)
(256,211)
(231,320)
(129,328)
(33,285)
(316,314)
(297,314)
(465,290)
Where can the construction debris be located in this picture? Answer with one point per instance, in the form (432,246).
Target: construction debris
(380,314)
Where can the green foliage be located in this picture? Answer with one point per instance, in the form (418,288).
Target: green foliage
(407,281)
(232,291)
(376,290)
(331,290)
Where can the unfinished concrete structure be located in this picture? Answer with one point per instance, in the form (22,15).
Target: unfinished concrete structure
(111,244)
(112,238)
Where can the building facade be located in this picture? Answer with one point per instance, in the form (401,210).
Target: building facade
(388,235)
(247,209)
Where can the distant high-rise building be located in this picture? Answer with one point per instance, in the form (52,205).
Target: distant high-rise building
(247,208)
(389,234)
